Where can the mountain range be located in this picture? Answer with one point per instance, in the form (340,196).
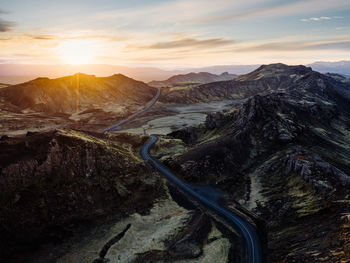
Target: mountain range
(18,73)
(340,67)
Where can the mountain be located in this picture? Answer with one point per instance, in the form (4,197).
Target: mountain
(192,78)
(264,80)
(18,73)
(340,67)
(77,93)
(284,155)
(338,77)
(234,69)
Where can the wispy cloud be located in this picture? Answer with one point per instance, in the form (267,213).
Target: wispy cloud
(315,18)
(40,37)
(276,9)
(320,18)
(343,28)
(336,43)
(6,26)
(190,42)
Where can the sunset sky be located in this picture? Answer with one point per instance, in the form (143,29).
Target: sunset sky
(174,33)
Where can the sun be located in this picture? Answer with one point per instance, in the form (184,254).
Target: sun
(77,52)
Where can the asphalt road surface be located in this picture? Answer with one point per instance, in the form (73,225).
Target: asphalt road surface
(248,231)
(118,126)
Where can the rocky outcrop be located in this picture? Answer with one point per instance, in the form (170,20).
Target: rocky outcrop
(187,135)
(322,176)
(214,120)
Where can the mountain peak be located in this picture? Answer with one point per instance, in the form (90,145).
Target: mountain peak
(276,69)
(83,75)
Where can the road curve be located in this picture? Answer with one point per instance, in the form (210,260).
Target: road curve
(118,126)
(250,235)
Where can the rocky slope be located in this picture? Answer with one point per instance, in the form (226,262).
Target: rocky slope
(50,183)
(285,156)
(192,78)
(74,196)
(77,93)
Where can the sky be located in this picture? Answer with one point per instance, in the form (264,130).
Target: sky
(174,34)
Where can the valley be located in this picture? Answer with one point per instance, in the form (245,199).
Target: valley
(274,143)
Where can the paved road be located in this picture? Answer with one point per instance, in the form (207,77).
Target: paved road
(118,126)
(248,231)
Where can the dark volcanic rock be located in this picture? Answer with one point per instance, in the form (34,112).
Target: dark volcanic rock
(214,120)
(51,180)
(287,148)
(187,135)
(321,175)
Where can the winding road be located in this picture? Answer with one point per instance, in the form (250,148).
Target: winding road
(249,233)
(118,126)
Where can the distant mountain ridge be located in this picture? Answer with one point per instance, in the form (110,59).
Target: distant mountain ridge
(264,80)
(339,67)
(77,93)
(18,73)
(196,78)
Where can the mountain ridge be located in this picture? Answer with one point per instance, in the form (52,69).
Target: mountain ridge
(265,79)
(77,92)
(9,73)
(192,78)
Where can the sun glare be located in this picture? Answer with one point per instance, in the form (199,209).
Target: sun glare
(77,52)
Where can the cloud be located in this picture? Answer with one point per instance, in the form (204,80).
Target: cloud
(320,18)
(315,18)
(190,42)
(64,37)
(338,43)
(277,9)
(40,37)
(343,28)
(6,26)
